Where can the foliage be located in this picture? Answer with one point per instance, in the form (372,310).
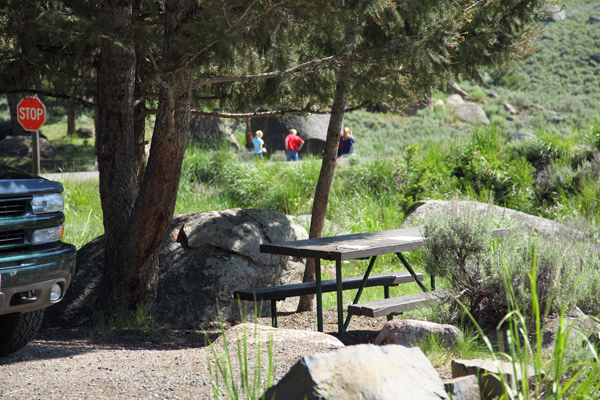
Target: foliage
(250,384)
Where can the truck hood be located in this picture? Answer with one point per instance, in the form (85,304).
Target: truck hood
(14,181)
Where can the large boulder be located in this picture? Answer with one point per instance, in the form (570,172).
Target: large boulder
(546,228)
(361,372)
(20,146)
(211,132)
(312,129)
(471,113)
(204,259)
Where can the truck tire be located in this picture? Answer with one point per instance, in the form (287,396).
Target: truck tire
(17,329)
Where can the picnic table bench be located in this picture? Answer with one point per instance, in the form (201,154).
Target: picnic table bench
(278,293)
(358,246)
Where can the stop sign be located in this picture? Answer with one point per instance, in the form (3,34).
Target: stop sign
(31,113)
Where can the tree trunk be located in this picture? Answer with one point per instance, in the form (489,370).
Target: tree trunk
(329,159)
(70,117)
(137,216)
(17,129)
(249,143)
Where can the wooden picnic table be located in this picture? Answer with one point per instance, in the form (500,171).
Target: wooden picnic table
(367,245)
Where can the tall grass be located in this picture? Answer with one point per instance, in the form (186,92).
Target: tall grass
(232,377)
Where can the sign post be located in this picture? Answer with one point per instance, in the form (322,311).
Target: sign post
(31,114)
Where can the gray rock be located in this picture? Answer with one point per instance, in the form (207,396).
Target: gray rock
(493,95)
(490,386)
(211,132)
(204,259)
(20,146)
(580,325)
(454,100)
(453,88)
(553,14)
(521,135)
(85,132)
(511,118)
(595,57)
(471,113)
(294,343)
(518,220)
(365,372)
(594,18)
(312,129)
(463,388)
(408,332)
(557,119)
(538,107)
(509,108)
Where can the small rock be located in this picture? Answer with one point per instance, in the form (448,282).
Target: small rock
(463,388)
(454,100)
(85,132)
(509,108)
(472,113)
(408,332)
(455,89)
(491,386)
(521,135)
(537,106)
(594,18)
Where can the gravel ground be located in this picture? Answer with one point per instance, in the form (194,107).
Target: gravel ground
(68,364)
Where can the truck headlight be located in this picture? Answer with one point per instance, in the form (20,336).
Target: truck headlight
(48,235)
(48,203)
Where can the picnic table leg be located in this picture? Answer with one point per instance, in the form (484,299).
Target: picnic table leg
(340,298)
(410,270)
(274,313)
(386,295)
(319,294)
(360,289)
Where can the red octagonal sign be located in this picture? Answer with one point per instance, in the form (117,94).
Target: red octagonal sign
(31,113)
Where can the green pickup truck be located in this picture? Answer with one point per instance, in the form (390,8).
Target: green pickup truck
(35,266)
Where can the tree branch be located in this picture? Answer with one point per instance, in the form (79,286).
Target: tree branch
(49,94)
(259,114)
(264,75)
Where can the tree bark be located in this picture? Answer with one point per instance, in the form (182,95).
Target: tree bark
(249,144)
(138,205)
(17,129)
(70,117)
(319,210)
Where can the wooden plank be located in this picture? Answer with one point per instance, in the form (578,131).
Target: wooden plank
(397,305)
(299,289)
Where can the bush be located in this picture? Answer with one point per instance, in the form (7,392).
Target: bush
(458,247)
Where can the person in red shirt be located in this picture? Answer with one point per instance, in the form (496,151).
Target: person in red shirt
(293,144)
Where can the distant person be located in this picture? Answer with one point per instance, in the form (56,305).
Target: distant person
(346,141)
(293,144)
(259,145)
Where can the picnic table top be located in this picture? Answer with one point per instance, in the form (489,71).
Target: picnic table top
(356,246)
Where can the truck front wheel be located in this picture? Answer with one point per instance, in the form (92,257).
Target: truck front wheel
(17,329)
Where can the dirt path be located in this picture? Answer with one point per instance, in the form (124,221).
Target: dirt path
(67,364)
